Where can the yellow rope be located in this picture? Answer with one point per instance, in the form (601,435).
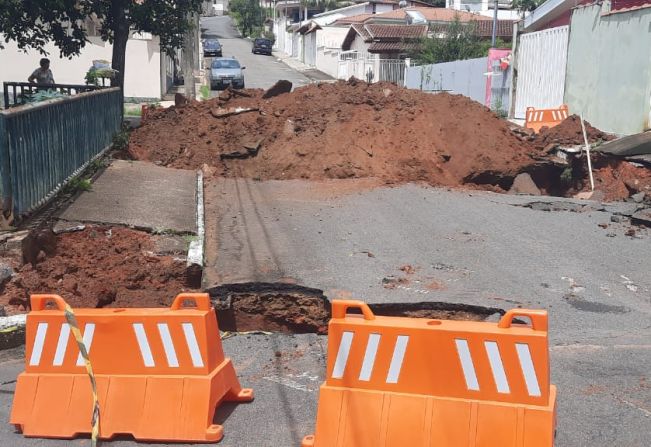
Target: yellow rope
(72,322)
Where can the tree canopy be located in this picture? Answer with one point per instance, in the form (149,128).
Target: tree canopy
(248,15)
(457,41)
(32,24)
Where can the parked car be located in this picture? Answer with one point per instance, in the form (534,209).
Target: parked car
(262,46)
(212,48)
(225,71)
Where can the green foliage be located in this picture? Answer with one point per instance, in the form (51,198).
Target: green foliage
(121,140)
(248,14)
(32,24)
(44,95)
(526,5)
(77,184)
(205,92)
(132,111)
(458,42)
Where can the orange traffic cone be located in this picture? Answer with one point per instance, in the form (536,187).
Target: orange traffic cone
(160,373)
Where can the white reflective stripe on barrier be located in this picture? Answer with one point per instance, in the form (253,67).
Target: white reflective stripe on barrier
(467,365)
(342,355)
(368,364)
(62,345)
(526,362)
(398,356)
(89,331)
(191,339)
(168,345)
(497,367)
(143,344)
(39,341)
(369,357)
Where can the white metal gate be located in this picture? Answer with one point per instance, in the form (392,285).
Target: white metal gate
(370,68)
(541,64)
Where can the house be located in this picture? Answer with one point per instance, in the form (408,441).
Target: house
(291,15)
(150,73)
(505,10)
(377,52)
(388,41)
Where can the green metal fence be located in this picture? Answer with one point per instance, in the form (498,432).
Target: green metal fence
(43,145)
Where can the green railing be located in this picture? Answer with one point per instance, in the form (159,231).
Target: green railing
(43,145)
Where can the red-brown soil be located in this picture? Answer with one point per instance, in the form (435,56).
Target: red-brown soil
(341,130)
(100,267)
(569,133)
(379,132)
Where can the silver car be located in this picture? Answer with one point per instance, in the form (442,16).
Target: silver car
(225,71)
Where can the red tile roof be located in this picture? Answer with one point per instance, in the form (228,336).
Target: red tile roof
(360,18)
(392,47)
(404,35)
(396,32)
(430,14)
(483,28)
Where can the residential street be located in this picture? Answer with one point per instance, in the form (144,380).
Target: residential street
(261,71)
(179,279)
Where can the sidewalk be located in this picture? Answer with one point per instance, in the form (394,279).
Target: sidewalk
(310,72)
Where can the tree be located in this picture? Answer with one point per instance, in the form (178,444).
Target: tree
(453,42)
(525,5)
(248,14)
(34,23)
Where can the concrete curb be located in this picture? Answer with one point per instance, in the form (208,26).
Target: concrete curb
(12,331)
(196,248)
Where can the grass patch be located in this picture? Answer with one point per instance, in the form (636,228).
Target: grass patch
(205,92)
(132,111)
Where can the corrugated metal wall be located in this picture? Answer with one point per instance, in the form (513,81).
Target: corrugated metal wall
(461,77)
(609,68)
(541,62)
(42,145)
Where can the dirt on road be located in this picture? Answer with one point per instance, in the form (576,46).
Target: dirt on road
(356,130)
(100,267)
(342,130)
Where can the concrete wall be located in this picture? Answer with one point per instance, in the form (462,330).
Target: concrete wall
(328,43)
(143,65)
(327,60)
(609,68)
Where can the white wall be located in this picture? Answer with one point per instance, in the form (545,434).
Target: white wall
(609,68)
(143,65)
(328,42)
(327,60)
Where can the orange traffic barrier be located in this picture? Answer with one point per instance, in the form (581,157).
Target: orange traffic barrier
(536,119)
(160,373)
(394,382)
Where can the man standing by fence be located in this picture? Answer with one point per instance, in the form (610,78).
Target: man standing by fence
(42,75)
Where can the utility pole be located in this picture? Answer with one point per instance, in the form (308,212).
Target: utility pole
(494,36)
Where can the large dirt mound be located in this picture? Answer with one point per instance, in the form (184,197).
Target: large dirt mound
(340,130)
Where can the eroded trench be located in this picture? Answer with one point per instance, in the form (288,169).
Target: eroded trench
(286,308)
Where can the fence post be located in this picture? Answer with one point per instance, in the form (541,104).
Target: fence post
(5,166)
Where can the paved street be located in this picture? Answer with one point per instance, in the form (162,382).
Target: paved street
(575,259)
(593,281)
(261,71)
